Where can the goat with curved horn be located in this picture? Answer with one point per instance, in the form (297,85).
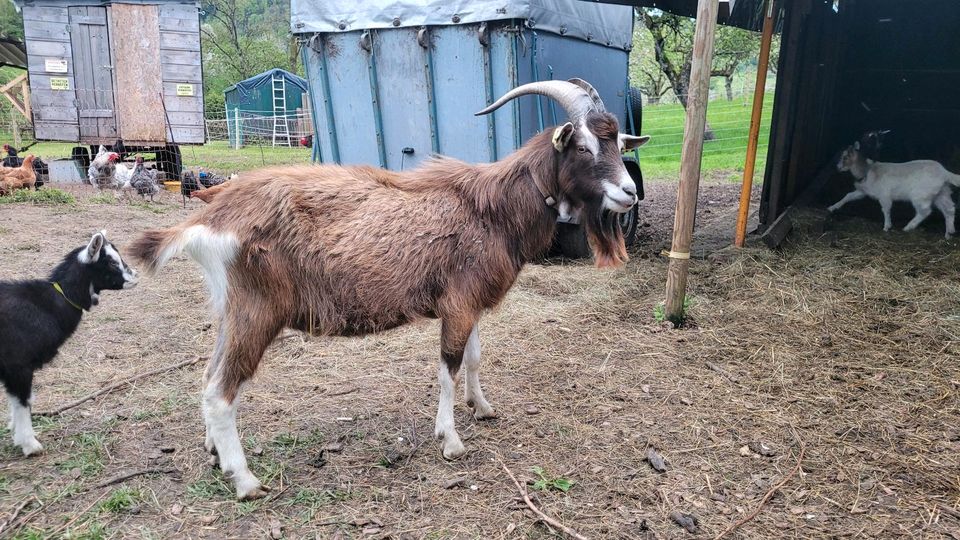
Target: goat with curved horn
(574,99)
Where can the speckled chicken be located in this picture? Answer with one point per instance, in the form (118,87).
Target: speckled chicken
(144,180)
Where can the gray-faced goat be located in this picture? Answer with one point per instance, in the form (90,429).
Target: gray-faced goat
(38,316)
(924,183)
(345,251)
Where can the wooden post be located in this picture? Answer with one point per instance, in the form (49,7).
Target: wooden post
(690,157)
(758,91)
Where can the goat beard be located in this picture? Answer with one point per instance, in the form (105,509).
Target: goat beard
(605,238)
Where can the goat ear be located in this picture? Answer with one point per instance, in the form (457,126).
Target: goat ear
(856,145)
(92,253)
(630,142)
(562,136)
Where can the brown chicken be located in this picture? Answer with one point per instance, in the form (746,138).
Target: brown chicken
(18,178)
(207,195)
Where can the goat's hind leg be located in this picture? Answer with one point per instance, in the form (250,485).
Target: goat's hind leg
(923,210)
(18,397)
(944,203)
(473,393)
(241,354)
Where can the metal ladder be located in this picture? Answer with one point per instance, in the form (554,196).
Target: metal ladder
(281,131)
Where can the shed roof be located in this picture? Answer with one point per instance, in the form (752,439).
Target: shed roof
(12,53)
(747,14)
(21,3)
(602,23)
(248,85)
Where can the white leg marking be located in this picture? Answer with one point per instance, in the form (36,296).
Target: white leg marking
(445,430)
(473,393)
(23,435)
(221,419)
(944,203)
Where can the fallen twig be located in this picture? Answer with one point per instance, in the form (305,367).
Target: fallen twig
(114,386)
(526,498)
(726,374)
(77,516)
(16,512)
(769,494)
(134,474)
(342,392)
(947,510)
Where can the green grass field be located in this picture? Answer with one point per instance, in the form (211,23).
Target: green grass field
(660,158)
(730,121)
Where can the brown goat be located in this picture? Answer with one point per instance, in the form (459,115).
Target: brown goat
(346,251)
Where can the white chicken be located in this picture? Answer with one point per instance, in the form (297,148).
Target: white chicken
(102,169)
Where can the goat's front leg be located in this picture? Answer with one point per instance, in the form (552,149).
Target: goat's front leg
(454,334)
(854,195)
(18,397)
(472,392)
(885,206)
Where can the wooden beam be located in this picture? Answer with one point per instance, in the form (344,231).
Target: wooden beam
(758,93)
(691,156)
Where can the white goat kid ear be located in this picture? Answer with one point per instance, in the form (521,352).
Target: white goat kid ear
(630,142)
(562,136)
(92,253)
(856,145)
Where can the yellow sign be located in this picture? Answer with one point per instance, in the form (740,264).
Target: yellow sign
(184,89)
(59,83)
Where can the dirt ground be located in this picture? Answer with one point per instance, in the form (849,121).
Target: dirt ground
(842,346)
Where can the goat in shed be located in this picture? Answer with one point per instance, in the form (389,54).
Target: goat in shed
(38,316)
(348,251)
(925,183)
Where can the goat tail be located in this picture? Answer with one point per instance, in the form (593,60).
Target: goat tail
(156,246)
(213,251)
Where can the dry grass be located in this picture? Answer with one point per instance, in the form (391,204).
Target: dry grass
(846,340)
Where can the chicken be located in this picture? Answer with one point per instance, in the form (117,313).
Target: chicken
(102,169)
(144,180)
(207,195)
(208,179)
(20,177)
(122,175)
(12,160)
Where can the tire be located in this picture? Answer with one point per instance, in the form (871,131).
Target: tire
(572,239)
(629,223)
(170,162)
(81,156)
(636,105)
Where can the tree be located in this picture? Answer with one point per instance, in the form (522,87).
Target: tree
(242,38)
(673,51)
(11,23)
(645,73)
(732,47)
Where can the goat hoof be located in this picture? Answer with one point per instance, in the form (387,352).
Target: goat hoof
(253,494)
(484,413)
(32,448)
(453,450)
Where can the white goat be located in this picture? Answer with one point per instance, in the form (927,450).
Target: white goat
(924,183)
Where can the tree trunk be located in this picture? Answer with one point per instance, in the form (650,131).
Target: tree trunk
(653,100)
(728,81)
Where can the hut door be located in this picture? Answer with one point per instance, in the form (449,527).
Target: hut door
(135,30)
(93,72)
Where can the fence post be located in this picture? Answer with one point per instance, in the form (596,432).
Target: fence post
(236,129)
(691,156)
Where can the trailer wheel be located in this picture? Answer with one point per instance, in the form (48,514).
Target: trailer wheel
(170,162)
(572,239)
(636,105)
(80,155)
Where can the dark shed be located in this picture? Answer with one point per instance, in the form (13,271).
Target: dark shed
(847,67)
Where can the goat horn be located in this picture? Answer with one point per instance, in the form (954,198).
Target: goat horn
(574,99)
(594,95)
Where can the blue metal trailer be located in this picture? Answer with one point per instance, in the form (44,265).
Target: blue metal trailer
(394,82)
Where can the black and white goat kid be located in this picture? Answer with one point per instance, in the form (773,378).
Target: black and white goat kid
(37,317)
